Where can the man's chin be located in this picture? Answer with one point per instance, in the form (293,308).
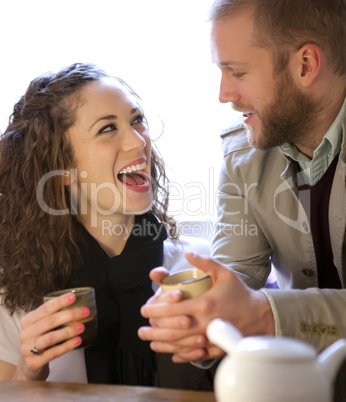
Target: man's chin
(251,137)
(256,139)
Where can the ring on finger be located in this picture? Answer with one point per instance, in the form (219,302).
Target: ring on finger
(34,350)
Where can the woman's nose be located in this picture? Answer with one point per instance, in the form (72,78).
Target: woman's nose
(133,140)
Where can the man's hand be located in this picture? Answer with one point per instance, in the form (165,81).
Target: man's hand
(179,327)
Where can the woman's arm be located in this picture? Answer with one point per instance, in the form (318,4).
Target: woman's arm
(6,371)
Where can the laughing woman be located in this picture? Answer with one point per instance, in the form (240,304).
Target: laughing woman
(83,203)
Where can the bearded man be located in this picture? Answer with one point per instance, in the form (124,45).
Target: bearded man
(283,65)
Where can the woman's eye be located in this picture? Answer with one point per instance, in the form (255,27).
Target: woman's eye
(108,128)
(139,119)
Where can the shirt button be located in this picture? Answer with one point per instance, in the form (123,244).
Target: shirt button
(305,227)
(308,272)
(323,329)
(333,330)
(304,327)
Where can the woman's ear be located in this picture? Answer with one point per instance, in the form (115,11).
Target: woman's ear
(69,177)
(308,63)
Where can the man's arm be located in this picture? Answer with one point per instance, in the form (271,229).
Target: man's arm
(316,316)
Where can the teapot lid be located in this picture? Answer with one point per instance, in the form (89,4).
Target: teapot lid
(269,348)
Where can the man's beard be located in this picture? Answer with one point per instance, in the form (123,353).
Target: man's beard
(292,117)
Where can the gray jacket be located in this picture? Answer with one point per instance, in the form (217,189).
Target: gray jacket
(261,221)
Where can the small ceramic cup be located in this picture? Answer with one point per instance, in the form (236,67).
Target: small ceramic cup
(85,297)
(192,283)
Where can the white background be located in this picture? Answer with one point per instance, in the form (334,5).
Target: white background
(160,47)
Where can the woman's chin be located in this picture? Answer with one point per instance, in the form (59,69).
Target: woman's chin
(138,208)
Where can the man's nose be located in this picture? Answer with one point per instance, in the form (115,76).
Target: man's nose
(228,89)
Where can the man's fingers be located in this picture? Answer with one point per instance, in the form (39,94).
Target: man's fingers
(160,334)
(183,346)
(213,268)
(182,322)
(158,274)
(212,352)
(166,305)
(190,356)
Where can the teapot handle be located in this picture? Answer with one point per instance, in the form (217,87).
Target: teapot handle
(223,334)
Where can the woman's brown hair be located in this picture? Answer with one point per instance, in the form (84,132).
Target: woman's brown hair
(38,249)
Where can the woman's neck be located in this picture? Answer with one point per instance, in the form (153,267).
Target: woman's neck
(111,232)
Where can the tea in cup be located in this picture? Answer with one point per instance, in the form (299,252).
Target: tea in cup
(192,283)
(85,297)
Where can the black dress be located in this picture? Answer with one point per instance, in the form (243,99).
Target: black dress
(122,285)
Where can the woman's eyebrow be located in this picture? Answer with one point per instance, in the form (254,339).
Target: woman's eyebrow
(111,117)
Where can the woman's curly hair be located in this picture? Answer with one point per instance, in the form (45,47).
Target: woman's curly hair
(39,249)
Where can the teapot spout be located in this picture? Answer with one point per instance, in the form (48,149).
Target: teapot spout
(223,334)
(331,358)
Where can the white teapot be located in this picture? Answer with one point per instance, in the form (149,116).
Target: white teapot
(272,369)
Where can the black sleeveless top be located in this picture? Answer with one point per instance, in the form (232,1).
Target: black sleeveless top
(122,285)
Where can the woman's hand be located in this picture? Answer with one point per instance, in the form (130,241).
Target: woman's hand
(42,333)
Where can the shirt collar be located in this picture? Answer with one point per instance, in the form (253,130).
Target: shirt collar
(333,138)
(313,169)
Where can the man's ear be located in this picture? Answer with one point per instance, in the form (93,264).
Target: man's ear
(308,63)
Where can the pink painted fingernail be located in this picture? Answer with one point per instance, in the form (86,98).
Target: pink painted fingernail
(71,297)
(79,327)
(85,311)
(77,340)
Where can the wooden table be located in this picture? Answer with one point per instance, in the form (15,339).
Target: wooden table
(37,391)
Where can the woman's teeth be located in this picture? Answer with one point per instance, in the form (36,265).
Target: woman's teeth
(134,168)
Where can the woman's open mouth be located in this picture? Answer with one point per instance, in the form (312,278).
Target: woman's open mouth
(135,177)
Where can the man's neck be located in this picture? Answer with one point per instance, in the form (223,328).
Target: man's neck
(312,140)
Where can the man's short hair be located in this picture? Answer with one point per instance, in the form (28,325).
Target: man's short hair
(287,25)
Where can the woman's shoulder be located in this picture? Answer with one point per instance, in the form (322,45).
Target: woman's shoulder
(6,317)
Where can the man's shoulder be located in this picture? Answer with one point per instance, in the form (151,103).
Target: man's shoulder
(234,139)
(244,161)
(235,143)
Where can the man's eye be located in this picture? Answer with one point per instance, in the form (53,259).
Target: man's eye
(108,128)
(238,75)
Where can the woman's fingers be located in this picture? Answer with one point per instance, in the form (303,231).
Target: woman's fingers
(52,338)
(35,367)
(53,321)
(36,353)
(48,308)
(49,332)
(49,326)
